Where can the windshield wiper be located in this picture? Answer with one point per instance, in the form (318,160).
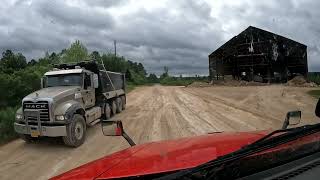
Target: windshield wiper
(267,142)
(276,132)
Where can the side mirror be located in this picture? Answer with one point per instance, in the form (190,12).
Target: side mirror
(43,82)
(115,128)
(95,81)
(112,128)
(292,118)
(87,81)
(317,111)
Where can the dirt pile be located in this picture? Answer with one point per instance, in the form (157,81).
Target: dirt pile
(300,81)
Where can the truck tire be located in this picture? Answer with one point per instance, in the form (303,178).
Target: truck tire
(107,111)
(113,107)
(119,104)
(76,131)
(123,98)
(27,138)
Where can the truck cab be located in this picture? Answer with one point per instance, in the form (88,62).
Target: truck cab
(72,97)
(81,78)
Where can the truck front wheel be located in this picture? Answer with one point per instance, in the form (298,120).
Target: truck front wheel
(107,111)
(119,105)
(114,107)
(123,98)
(76,131)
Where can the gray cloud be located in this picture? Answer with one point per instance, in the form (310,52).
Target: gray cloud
(60,13)
(179,34)
(104,3)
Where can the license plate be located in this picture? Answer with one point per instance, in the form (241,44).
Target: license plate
(35,133)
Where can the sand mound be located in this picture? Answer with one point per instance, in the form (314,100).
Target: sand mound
(300,81)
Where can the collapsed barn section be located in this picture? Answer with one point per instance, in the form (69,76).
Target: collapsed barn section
(259,55)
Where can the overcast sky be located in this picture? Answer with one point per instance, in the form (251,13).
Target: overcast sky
(178,33)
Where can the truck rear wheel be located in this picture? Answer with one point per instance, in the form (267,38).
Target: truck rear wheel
(76,131)
(123,98)
(107,111)
(119,104)
(114,107)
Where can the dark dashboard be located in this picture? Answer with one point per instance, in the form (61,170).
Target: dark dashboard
(302,169)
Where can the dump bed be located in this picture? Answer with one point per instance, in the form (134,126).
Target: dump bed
(110,83)
(117,81)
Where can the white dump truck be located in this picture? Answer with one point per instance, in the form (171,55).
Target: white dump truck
(72,97)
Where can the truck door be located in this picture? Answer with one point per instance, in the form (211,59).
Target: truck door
(89,91)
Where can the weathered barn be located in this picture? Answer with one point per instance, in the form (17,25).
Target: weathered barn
(259,55)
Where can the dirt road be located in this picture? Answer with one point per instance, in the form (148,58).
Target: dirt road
(157,113)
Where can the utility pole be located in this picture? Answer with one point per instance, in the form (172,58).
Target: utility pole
(115,48)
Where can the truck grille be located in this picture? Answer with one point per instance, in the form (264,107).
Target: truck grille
(41,106)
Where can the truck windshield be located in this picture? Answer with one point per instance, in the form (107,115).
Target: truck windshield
(64,80)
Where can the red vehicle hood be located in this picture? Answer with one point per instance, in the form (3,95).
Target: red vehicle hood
(163,156)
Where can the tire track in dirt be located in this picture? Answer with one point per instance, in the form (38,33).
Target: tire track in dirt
(234,121)
(174,116)
(194,105)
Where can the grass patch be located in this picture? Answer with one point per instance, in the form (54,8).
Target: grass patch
(176,82)
(314,93)
(130,87)
(181,81)
(314,77)
(7,117)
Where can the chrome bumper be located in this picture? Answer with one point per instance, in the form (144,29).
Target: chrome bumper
(50,131)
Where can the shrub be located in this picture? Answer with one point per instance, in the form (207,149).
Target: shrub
(314,77)
(174,81)
(7,117)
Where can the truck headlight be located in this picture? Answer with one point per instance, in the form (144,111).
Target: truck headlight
(19,117)
(60,118)
(77,95)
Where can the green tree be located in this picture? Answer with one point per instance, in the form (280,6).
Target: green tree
(114,63)
(141,69)
(165,72)
(76,53)
(95,55)
(32,62)
(54,58)
(153,78)
(11,62)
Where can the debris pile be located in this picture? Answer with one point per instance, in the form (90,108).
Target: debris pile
(300,81)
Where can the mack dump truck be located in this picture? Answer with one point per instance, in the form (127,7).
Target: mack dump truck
(72,97)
